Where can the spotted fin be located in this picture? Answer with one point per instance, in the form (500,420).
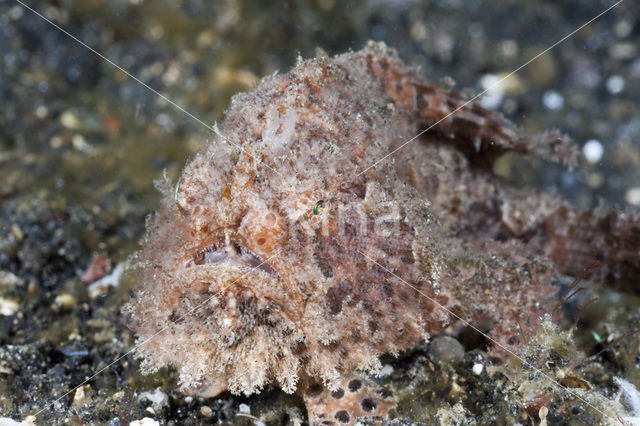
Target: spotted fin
(355,398)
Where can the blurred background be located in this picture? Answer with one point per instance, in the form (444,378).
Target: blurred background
(77,124)
(81,143)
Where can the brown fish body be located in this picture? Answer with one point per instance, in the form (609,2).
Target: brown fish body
(256,289)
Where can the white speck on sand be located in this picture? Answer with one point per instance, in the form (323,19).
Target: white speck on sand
(592,151)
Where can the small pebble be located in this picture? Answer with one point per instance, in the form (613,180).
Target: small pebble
(15,13)
(70,120)
(41,111)
(9,279)
(508,48)
(17,232)
(56,142)
(494,94)
(206,411)
(80,143)
(623,51)
(8,307)
(446,349)
(633,196)
(592,151)
(552,100)
(81,394)
(623,28)
(477,369)
(65,301)
(615,84)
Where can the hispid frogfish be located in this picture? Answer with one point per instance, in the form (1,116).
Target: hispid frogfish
(295,251)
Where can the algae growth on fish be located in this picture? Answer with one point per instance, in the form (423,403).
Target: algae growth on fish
(248,284)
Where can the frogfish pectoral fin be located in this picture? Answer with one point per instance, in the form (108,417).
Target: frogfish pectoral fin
(356,397)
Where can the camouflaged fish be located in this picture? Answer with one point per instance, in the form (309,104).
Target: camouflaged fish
(295,252)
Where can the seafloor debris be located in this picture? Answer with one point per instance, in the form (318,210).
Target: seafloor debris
(97,269)
(632,399)
(247,286)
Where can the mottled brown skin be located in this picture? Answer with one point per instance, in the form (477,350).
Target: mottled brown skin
(286,297)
